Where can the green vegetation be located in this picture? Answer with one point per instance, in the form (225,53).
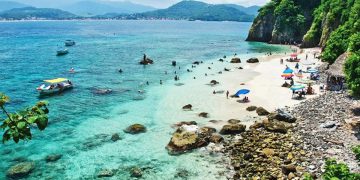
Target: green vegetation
(39,13)
(338,171)
(356,150)
(17,125)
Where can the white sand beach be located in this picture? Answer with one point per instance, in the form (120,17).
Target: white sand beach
(262,79)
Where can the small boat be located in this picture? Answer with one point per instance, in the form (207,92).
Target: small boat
(53,86)
(69,43)
(62,52)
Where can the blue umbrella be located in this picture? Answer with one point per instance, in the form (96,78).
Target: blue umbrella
(288,71)
(242,91)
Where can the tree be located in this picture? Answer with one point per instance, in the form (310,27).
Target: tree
(352,72)
(17,125)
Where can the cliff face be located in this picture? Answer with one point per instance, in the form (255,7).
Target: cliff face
(262,29)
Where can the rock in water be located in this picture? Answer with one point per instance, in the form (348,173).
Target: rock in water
(235,60)
(204,115)
(146,61)
(115,137)
(52,157)
(234,121)
(20,170)
(105,173)
(232,129)
(135,129)
(136,172)
(251,108)
(253,60)
(189,137)
(281,115)
(262,112)
(187,107)
(216,138)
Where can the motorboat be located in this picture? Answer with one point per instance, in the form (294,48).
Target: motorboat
(53,86)
(69,43)
(62,52)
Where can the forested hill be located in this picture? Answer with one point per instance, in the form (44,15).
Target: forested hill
(333,25)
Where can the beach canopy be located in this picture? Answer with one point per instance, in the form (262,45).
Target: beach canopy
(293,55)
(306,81)
(297,87)
(57,80)
(242,91)
(287,75)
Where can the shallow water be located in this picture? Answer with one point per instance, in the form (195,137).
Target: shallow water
(77,117)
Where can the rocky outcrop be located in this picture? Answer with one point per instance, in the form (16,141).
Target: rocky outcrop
(187,138)
(282,115)
(20,170)
(235,60)
(262,27)
(231,129)
(253,60)
(135,129)
(262,111)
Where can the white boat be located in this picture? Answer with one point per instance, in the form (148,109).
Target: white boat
(54,86)
(69,43)
(61,52)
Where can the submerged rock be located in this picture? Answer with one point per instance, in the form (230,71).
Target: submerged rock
(20,170)
(53,157)
(136,172)
(253,60)
(94,141)
(262,112)
(235,60)
(232,129)
(135,129)
(115,137)
(105,173)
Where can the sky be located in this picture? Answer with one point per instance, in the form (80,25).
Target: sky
(154,3)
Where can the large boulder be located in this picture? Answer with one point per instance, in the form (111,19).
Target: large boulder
(253,60)
(282,115)
(187,138)
(234,121)
(52,157)
(232,129)
(262,112)
(275,126)
(235,60)
(216,138)
(214,82)
(135,129)
(204,114)
(20,170)
(251,108)
(179,124)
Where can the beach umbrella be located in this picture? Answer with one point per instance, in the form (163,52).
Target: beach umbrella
(312,70)
(306,81)
(293,55)
(242,91)
(287,75)
(288,71)
(297,87)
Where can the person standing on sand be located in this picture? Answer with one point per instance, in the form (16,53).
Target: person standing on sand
(306,56)
(227,94)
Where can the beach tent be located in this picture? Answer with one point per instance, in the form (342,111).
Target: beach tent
(288,71)
(242,91)
(297,87)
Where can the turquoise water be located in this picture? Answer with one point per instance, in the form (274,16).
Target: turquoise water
(79,116)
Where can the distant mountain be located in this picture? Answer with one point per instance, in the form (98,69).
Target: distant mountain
(36,13)
(252,10)
(195,10)
(97,7)
(7,5)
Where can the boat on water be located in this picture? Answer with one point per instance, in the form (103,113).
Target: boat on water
(53,86)
(69,43)
(62,52)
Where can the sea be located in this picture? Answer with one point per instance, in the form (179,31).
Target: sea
(82,120)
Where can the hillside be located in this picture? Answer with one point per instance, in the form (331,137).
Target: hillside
(36,13)
(7,5)
(194,10)
(252,10)
(96,7)
(333,25)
